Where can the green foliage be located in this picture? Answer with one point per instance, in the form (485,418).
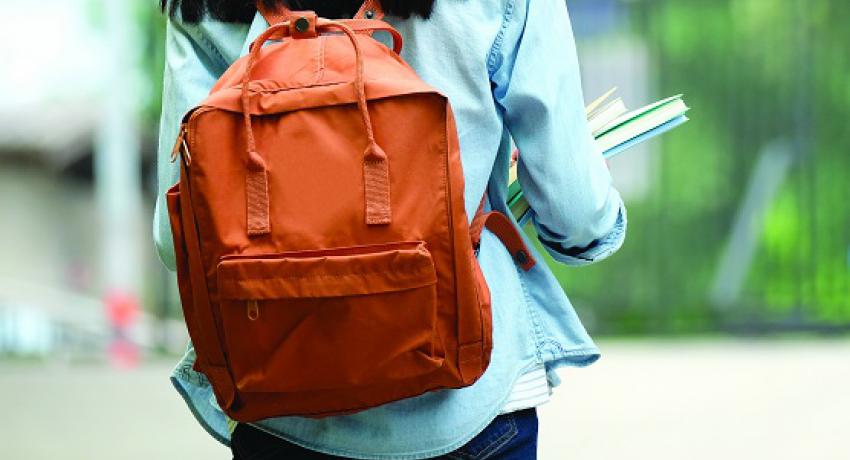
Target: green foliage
(152,55)
(753,71)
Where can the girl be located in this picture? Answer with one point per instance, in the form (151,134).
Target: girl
(509,69)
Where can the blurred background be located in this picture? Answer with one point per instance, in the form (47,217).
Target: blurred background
(723,321)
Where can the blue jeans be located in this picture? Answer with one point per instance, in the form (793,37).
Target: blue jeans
(510,436)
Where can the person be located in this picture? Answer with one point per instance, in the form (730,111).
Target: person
(510,71)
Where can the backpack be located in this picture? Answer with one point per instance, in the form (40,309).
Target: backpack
(325,261)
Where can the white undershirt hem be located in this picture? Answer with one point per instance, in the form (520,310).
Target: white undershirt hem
(530,390)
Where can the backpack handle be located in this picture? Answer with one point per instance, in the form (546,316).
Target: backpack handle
(371,9)
(375,162)
(374,25)
(367,26)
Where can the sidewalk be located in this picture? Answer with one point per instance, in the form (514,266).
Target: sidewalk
(728,400)
(646,399)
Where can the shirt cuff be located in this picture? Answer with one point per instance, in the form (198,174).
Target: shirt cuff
(596,251)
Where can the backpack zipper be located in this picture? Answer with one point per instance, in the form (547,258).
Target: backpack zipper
(253,310)
(181,147)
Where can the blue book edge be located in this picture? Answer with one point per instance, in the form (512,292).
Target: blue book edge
(613,151)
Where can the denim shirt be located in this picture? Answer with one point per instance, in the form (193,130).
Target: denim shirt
(510,71)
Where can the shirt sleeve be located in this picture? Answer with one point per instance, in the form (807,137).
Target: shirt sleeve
(578,214)
(192,66)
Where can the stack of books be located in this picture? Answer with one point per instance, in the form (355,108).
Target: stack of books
(615,129)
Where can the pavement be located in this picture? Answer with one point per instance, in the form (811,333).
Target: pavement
(646,399)
(704,400)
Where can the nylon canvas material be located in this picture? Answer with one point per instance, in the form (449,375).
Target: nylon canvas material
(279,265)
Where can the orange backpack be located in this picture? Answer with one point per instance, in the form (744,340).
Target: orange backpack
(324,256)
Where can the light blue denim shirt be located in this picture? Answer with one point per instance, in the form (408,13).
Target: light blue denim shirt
(509,69)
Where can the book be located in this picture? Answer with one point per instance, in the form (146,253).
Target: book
(615,130)
(591,108)
(600,119)
(633,124)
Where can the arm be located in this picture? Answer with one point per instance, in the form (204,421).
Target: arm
(192,66)
(578,214)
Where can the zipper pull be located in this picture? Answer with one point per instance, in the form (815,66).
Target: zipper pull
(180,146)
(253,310)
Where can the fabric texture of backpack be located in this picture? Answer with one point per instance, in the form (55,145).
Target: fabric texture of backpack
(324,257)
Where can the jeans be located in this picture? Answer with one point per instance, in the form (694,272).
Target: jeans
(511,436)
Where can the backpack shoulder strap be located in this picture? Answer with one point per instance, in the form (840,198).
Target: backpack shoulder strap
(505,230)
(371,9)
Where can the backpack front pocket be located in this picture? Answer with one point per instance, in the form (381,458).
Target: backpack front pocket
(329,319)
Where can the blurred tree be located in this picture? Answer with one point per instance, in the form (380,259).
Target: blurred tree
(152,27)
(754,71)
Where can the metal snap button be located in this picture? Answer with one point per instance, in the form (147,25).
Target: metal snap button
(302,24)
(370,14)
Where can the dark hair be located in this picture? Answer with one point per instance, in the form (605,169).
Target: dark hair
(243,10)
